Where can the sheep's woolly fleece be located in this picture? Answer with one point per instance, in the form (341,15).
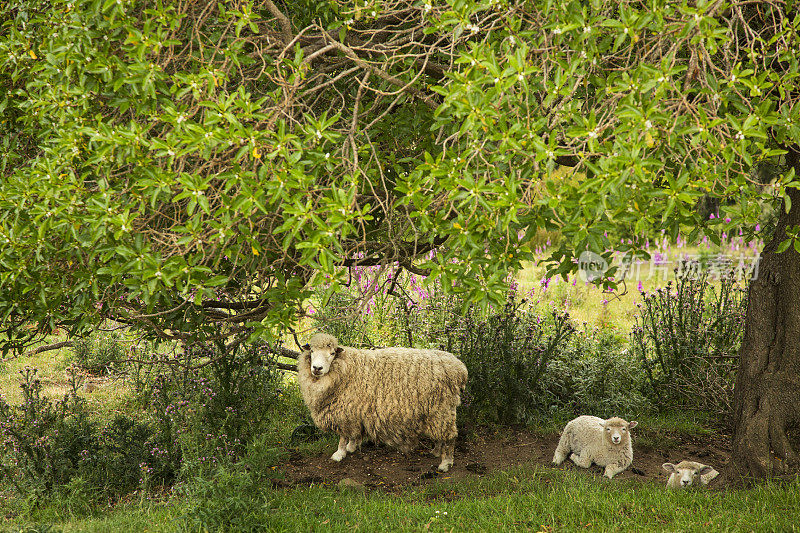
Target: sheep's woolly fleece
(389,395)
(590,439)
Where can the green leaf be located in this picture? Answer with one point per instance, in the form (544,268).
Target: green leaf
(784,245)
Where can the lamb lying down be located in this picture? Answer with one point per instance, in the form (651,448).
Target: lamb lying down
(688,473)
(589,439)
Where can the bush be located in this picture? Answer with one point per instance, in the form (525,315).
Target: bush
(207,416)
(522,364)
(49,444)
(594,373)
(411,315)
(45,442)
(507,354)
(99,354)
(688,342)
(231,498)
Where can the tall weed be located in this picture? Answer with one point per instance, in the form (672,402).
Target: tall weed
(687,337)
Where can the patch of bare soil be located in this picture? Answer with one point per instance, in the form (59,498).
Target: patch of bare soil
(483,452)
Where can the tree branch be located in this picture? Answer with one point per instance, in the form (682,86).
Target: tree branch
(283,21)
(405,87)
(285,366)
(41,349)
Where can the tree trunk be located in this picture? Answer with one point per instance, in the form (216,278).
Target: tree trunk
(766,403)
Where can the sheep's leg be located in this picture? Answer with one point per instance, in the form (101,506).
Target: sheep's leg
(613,469)
(437,449)
(580,460)
(353,444)
(562,450)
(341,453)
(448,450)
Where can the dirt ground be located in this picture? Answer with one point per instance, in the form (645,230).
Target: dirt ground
(483,452)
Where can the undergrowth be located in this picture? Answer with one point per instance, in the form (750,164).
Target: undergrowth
(525,498)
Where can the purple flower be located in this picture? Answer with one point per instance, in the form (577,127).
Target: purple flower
(641,289)
(711,217)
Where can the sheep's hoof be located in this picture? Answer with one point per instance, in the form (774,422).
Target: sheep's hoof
(338,455)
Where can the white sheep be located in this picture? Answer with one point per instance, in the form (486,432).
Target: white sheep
(687,473)
(606,443)
(389,395)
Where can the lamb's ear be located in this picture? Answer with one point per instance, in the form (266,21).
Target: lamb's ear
(669,467)
(705,470)
(306,347)
(339,350)
(633,424)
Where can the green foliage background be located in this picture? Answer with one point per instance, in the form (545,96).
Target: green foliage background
(197,168)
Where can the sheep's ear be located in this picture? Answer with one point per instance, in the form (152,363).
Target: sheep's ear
(339,350)
(306,347)
(669,467)
(705,470)
(633,424)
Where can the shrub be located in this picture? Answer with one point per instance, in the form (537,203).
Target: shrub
(507,353)
(522,364)
(99,354)
(688,339)
(49,444)
(231,498)
(594,373)
(45,441)
(208,416)
(410,315)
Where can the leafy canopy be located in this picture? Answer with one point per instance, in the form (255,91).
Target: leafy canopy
(197,168)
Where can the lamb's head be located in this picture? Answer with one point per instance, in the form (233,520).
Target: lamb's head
(617,430)
(322,349)
(686,473)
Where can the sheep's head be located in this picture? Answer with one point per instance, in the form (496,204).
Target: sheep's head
(617,430)
(686,472)
(321,350)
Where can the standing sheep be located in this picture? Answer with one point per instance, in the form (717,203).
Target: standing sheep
(687,473)
(390,395)
(591,439)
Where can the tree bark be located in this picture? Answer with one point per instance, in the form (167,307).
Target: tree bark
(766,402)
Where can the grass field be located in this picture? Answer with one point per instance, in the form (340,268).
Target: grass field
(521,499)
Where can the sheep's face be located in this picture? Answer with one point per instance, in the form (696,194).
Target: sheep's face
(687,473)
(617,430)
(321,354)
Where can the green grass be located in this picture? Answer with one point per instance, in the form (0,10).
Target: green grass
(532,499)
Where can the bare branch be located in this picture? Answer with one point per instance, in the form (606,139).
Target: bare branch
(283,21)
(42,349)
(404,87)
